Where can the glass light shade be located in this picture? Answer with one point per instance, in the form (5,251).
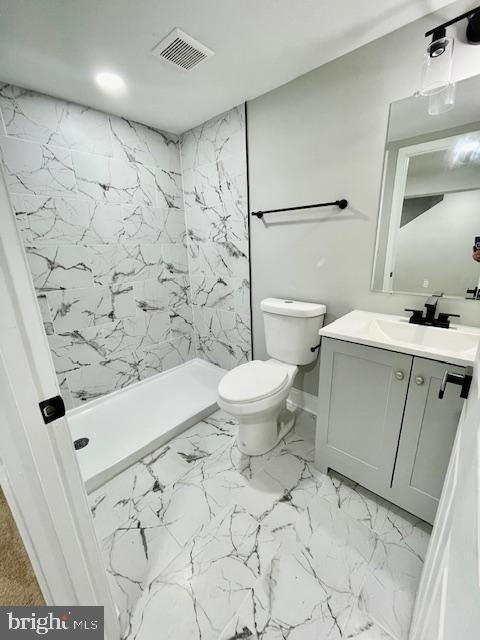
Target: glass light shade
(442,101)
(437,66)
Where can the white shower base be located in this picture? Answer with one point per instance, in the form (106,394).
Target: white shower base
(127,424)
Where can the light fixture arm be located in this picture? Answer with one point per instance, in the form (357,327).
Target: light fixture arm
(467,14)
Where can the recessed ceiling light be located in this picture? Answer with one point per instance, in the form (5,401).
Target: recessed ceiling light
(111,82)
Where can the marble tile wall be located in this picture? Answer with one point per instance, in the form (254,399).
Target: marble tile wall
(213,159)
(99,204)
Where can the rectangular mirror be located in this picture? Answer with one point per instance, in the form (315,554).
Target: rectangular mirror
(429,219)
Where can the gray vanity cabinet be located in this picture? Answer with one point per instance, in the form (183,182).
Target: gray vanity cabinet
(380,422)
(426,440)
(361,400)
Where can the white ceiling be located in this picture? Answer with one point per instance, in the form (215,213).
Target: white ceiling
(56,46)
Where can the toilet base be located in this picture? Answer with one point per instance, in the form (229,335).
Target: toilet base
(256,437)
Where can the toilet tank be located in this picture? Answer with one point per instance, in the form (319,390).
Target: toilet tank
(291,329)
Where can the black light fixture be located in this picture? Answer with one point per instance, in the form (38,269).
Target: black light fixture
(473,27)
(437,63)
(438,45)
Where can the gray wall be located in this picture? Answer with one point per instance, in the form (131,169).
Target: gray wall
(321,137)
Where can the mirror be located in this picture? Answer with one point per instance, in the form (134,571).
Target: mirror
(429,219)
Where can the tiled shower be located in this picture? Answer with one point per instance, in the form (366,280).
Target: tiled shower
(215,194)
(136,269)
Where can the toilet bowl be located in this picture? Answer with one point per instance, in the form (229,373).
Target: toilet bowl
(256,392)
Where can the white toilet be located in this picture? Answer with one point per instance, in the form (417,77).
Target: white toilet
(256,392)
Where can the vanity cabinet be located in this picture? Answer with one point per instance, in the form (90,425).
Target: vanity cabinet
(426,440)
(380,422)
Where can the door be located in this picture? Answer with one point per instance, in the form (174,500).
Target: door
(426,441)
(39,472)
(447,606)
(361,401)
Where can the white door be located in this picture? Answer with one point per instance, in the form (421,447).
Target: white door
(448,601)
(39,472)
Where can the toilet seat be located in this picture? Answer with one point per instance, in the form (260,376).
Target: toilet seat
(252,381)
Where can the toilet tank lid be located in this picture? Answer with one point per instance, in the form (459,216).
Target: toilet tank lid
(294,308)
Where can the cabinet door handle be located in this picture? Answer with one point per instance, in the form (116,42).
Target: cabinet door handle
(419,380)
(464,381)
(399,375)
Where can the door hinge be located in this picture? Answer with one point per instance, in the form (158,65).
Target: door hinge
(52,409)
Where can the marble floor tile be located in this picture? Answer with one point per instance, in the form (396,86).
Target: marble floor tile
(361,627)
(312,581)
(205,438)
(358,502)
(144,483)
(388,593)
(122,498)
(212,577)
(129,554)
(204,543)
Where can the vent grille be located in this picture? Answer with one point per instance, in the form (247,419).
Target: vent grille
(181,50)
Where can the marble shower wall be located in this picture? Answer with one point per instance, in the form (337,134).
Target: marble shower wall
(215,195)
(98,200)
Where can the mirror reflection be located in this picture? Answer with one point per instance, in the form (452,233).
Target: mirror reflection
(429,223)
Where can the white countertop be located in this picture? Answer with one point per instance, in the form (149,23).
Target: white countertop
(455,345)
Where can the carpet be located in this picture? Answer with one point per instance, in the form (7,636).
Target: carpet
(18,585)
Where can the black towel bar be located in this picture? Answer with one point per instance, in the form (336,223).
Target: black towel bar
(341,204)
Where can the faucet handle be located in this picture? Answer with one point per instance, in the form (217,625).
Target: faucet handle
(416,317)
(443,319)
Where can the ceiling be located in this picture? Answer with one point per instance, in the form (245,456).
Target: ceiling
(56,47)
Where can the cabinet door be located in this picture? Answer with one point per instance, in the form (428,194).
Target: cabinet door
(426,441)
(361,401)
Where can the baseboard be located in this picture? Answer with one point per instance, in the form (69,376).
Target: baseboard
(303,400)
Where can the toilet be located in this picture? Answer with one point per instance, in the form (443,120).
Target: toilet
(256,392)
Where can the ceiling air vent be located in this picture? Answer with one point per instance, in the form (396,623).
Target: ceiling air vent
(181,51)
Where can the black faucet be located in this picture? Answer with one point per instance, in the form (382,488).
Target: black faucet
(429,318)
(431,307)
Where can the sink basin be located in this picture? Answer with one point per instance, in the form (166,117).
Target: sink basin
(432,337)
(456,345)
